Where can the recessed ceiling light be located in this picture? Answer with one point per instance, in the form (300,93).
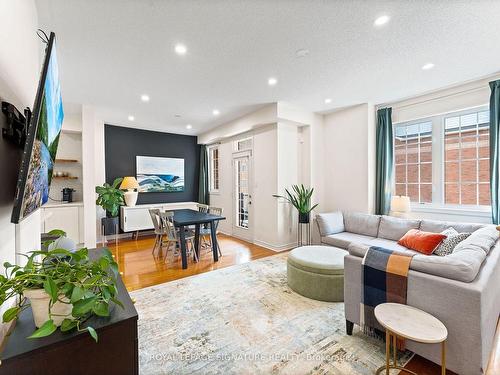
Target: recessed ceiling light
(328,101)
(272,81)
(189,126)
(428,66)
(131,118)
(145,98)
(382,20)
(216,112)
(180,49)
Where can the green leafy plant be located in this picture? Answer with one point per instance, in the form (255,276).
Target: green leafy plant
(300,198)
(67,277)
(110,197)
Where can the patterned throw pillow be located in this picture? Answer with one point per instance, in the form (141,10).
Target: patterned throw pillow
(453,238)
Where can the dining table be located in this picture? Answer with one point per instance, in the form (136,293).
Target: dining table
(185,218)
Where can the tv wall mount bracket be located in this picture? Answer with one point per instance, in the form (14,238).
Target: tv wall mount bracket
(16,128)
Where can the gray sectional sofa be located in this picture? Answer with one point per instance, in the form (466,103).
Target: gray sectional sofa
(461,289)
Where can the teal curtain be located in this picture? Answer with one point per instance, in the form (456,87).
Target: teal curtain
(494,151)
(384,160)
(203,196)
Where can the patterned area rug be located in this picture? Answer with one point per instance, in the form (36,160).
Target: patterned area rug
(245,320)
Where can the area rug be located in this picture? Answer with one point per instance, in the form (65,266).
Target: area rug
(246,320)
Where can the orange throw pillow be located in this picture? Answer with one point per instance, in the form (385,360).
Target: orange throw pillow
(423,242)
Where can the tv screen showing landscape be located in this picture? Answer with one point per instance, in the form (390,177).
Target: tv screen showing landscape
(43,138)
(160,175)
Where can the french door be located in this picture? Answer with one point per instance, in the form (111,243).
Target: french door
(242,196)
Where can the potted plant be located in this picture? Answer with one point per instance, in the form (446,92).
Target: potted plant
(300,198)
(110,198)
(63,288)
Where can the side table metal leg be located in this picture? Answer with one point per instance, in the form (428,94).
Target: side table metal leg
(443,358)
(395,350)
(387,351)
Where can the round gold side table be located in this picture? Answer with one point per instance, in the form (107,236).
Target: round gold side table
(409,323)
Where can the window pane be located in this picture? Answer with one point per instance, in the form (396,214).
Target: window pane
(484,194)
(412,152)
(425,152)
(452,149)
(426,172)
(468,193)
(468,148)
(451,172)
(484,144)
(400,189)
(400,173)
(413,192)
(469,120)
(452,124)
(484,170)
(412,173)
(468,170)
(451,194)
(483,117)
(426,193)
(400,154)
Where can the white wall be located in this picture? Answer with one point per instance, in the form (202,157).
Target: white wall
(19,75)
(348,154)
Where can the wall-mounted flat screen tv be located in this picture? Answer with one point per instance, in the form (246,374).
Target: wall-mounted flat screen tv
(40,149)
(160,175)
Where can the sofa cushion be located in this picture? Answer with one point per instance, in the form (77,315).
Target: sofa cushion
(359,223)
(344,239)
(423,242)
(330,223)
(482,239)
(439,226)
(389,244)
(359,250)
(393,228)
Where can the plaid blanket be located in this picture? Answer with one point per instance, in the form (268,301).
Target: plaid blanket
(384,279)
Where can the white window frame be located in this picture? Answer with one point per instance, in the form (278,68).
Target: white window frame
(438,204)
(211,188)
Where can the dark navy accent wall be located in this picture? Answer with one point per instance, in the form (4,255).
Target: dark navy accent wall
(122,145)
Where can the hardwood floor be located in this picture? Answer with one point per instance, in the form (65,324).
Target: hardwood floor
(140,269)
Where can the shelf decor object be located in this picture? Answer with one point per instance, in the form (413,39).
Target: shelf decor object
(130,184)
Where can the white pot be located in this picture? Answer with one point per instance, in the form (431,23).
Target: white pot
(39,300)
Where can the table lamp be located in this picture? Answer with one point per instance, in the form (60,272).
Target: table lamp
(130,184)
(400,206)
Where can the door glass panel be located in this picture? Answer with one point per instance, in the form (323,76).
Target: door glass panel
(242,196)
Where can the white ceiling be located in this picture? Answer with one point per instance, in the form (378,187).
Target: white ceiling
(111,52)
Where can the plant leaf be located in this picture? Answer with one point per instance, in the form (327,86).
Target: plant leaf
(83,306)
(11,313)
(93,333)
(68,325)
(118,302)
(51,288)
(101,309)
(77,294)
(57,232)
(46,329)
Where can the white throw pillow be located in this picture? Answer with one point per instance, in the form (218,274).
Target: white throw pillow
(453,238)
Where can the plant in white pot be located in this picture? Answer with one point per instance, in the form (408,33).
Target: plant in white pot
(63,288)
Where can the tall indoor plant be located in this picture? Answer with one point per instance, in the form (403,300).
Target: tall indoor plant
(110,198)
(300,198)
(64,288)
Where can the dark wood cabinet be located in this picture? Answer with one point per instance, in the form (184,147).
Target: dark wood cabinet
(76,353)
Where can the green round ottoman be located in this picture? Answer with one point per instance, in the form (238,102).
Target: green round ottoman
(317,272)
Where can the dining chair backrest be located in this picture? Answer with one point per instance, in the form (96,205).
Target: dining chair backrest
(215,211)
(202,207)
(155,218)
(167,219)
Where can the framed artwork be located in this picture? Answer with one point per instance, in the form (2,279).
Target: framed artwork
(160,175)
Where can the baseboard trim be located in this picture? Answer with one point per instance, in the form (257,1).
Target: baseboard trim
(277,248)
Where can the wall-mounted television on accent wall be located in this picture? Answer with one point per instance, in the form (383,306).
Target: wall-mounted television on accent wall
(160,175)
(42,139)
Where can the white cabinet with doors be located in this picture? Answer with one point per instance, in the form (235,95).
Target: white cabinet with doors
(65,216)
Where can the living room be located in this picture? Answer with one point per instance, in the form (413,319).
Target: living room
(249,187)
